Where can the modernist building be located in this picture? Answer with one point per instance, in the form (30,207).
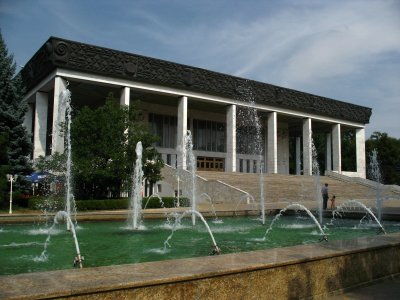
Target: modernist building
(175,98)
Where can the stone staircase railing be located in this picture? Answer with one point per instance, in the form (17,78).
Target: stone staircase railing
(218,191)
(362,181)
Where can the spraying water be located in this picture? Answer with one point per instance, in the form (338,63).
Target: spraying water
(136,194)
(298,206)
(316,173)
(347,203)
(206,196)
(62,215)
(191,163)
(376,175)
(65,109)
(250,124)
(215,250)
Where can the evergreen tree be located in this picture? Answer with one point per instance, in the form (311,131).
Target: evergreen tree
(15,144)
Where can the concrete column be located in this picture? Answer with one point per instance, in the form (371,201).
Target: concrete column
(182,131)
(307,147)
(230,165)
(328,152)
(360,152)
(336,149)
(28,119)
(283,146)
(298,157)
(60,85)
(40,125)
(272,150)
(125,96)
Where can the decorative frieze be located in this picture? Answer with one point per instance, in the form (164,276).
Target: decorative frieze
(102,61)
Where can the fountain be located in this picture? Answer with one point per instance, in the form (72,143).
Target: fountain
(340,209)
(246,197)
(109,243)
(62,215)
(155,195)
(298,206)
(316,173)
(136,193)
(64,117)
(65,113)
(249,119)
(206,196)
(375,175)
(191,163)
(215,250)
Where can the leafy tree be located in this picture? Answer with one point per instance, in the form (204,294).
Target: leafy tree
(388,149)
(15,143)
(152,168)
(55,163)
(348,148)
(103,148)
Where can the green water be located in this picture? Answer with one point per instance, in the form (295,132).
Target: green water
(112,243)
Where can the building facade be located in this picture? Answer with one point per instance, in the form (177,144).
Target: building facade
(237,125)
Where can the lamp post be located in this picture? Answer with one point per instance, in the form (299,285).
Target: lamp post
(11,179)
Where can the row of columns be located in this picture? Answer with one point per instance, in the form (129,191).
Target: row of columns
(333,145)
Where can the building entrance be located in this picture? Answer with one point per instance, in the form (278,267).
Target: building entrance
(210,163)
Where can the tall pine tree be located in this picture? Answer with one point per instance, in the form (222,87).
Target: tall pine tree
(15,144)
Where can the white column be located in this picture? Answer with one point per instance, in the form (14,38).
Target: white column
(230,165)
(60,85)
(125,96)
(272,150)
(336,149)
(307,147)
(40,125)
(360,152)
(298,158)
(28,118)
(182,131)
(328,160)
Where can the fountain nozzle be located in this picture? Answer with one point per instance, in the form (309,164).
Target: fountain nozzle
(78,261)
(215,251)
(381,230)
(324,238)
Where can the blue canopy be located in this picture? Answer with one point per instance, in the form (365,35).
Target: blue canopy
(38,176)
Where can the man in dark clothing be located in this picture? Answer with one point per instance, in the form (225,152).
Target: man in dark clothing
(325,195)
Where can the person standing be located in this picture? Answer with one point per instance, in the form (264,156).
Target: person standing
(325,196)
(333,205)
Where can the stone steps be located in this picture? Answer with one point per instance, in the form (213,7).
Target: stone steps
(291,188)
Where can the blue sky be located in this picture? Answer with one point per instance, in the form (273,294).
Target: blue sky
(345,50)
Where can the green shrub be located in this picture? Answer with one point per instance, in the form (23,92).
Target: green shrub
(52,203)
(167,202)
(57,203)
(106,204)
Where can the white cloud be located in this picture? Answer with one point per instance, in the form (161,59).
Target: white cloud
(346,50)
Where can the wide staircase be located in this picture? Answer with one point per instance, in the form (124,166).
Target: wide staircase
(294,188)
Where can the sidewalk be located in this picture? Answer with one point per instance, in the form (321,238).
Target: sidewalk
(388,289)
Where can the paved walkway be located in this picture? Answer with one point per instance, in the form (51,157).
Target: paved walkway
(388,289)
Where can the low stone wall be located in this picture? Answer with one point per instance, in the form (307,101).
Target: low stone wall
(306,271)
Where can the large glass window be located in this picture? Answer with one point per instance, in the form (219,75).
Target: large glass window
(209,135)
(165,128)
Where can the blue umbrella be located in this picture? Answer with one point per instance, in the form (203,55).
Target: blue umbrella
(36,177)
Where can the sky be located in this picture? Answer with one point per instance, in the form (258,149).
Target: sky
(347,50)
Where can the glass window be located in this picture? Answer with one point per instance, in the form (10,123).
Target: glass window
(165,128)
(209,135)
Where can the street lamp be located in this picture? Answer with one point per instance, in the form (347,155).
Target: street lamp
(11,179)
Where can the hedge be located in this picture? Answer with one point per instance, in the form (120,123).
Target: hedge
(57,203)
